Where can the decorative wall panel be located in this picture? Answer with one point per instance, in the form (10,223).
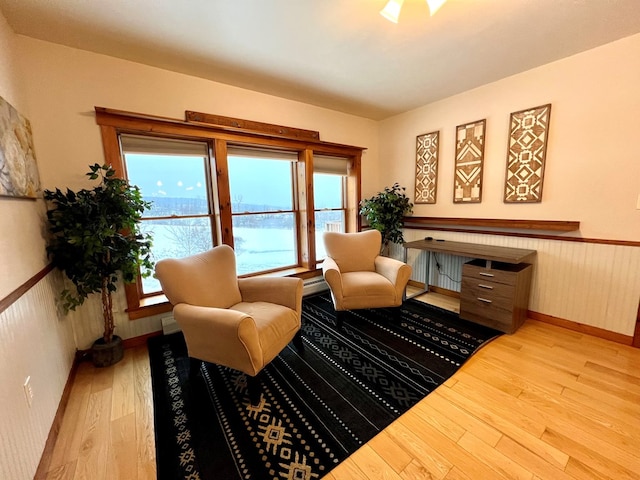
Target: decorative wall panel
(526,155)
(427,150)
(469,160)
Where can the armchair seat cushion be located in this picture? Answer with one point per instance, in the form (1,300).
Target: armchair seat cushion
(276,325)
(238,323)
(366,284)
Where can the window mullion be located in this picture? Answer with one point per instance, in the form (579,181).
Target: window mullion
(306,222)
(224,191)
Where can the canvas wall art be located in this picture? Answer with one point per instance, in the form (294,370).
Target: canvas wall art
(427,148)
(469,160)
(18,169)
(526,154)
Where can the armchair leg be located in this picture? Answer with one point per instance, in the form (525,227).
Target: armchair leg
(297,341)
(339,319)
(194,367)
(254,385)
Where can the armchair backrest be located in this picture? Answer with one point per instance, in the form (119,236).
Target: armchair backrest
(207,279)
(353,252)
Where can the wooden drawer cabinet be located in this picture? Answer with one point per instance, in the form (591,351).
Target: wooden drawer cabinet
(497,295)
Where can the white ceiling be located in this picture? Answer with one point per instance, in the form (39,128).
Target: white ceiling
(339,54)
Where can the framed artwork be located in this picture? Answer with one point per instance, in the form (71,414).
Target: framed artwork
(18,169)
(467,187)
(427,151)
(526,154)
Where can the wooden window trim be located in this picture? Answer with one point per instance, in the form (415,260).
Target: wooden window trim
(113,123)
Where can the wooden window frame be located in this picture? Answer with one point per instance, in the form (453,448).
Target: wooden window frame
(113,123)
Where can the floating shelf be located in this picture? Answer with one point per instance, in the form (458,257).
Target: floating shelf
(544,225)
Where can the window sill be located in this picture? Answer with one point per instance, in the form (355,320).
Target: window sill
(158,304)
(150,306)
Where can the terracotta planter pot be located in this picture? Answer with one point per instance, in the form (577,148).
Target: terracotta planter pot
(107,354)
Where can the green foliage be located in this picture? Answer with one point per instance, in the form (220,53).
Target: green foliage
(96,236)
(384,212)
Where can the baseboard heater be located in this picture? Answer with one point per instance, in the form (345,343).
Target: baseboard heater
(169,325)
(314,285)
(311,286)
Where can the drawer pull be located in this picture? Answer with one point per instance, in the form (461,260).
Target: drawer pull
(484,300)
(488,287)
(485,274)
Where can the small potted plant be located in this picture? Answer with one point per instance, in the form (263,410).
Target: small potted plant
(95,238)
(385,211)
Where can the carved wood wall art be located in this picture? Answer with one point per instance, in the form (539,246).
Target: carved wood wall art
(526,154)
(427,151)
(468,162)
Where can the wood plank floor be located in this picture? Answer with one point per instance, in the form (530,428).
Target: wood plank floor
(543,403)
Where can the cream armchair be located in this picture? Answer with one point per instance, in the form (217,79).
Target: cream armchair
(241,323)
(358,276)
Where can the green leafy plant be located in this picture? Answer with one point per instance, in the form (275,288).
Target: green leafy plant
(385,211)
(95,237)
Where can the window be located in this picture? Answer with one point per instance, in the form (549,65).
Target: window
(173,176)
(263,209)
(329,193)
(219,180)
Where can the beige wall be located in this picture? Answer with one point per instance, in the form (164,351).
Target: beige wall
(21,243)
(63,85)
(593,165)
(8,74)
(34,341)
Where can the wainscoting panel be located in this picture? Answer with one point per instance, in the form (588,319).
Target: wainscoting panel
(448,276)
(87,321)
(588,283)
(35,342)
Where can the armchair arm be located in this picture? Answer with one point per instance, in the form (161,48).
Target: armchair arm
(395,271)
(285,291)
(218,335)
(333,277)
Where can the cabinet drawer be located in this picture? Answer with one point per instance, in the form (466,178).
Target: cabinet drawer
(490,314)
(498,293)
(482,273)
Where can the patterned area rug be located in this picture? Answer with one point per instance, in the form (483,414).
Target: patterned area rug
(317,407)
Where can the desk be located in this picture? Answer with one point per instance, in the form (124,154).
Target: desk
(495,286)
(473,250)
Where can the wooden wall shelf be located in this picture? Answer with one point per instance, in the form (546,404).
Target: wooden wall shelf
(546,225)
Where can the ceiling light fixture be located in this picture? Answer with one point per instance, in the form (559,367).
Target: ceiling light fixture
(434,6)
(391,10)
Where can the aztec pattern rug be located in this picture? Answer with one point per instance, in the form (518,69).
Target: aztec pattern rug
(317,407)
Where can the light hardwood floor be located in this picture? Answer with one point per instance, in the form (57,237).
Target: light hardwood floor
(543,403)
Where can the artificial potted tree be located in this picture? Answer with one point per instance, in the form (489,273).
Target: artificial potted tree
(385,211)
(95,238)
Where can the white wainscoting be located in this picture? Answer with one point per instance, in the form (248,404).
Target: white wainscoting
(35,341)
(88,325)
(588,283)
